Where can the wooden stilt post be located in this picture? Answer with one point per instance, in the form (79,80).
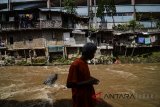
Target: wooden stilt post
(133,51)
(126,52)
(66,55)
(5,54)
(64,52)
(25,54)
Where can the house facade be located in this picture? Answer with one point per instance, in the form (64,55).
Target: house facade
(41,32)
(29,29)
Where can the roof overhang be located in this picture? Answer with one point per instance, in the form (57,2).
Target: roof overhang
(78,32)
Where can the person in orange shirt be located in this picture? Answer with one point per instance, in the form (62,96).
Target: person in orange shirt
(80,80)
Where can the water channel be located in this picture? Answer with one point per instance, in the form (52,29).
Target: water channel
(121,85)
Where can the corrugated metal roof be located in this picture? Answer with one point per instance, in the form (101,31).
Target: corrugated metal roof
(51,9)
(26,6)
(16,1)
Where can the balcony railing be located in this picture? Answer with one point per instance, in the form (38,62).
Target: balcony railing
(4,26)
(8,26)
(50,24)
(81,26)
(105,46)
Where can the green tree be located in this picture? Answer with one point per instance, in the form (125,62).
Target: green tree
(69,6)
(109,6)
(111,9)
(133,24)
(101,9)
(139,16)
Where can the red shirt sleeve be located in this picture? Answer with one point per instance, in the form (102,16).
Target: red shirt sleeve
(72,76)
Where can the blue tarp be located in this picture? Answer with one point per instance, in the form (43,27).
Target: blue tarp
(141,39)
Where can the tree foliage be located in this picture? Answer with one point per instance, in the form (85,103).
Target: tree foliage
(69,6)
(108,5)
(101,8)
(131,25)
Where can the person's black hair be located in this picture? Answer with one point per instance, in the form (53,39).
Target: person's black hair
(88,49)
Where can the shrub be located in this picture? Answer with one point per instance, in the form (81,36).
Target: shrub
(144,58)
(22,63)
(39,60)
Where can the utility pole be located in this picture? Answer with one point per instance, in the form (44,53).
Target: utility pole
(95,14)
(134,11)
(9,5)
(48,4)
(134,16)
(89,3)
(60,4)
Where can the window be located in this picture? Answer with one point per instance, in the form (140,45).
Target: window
(24,41)
(53,35)
(48,17)
(71,35)
(30,38)
(0,17)
(11,40)
(11,19)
